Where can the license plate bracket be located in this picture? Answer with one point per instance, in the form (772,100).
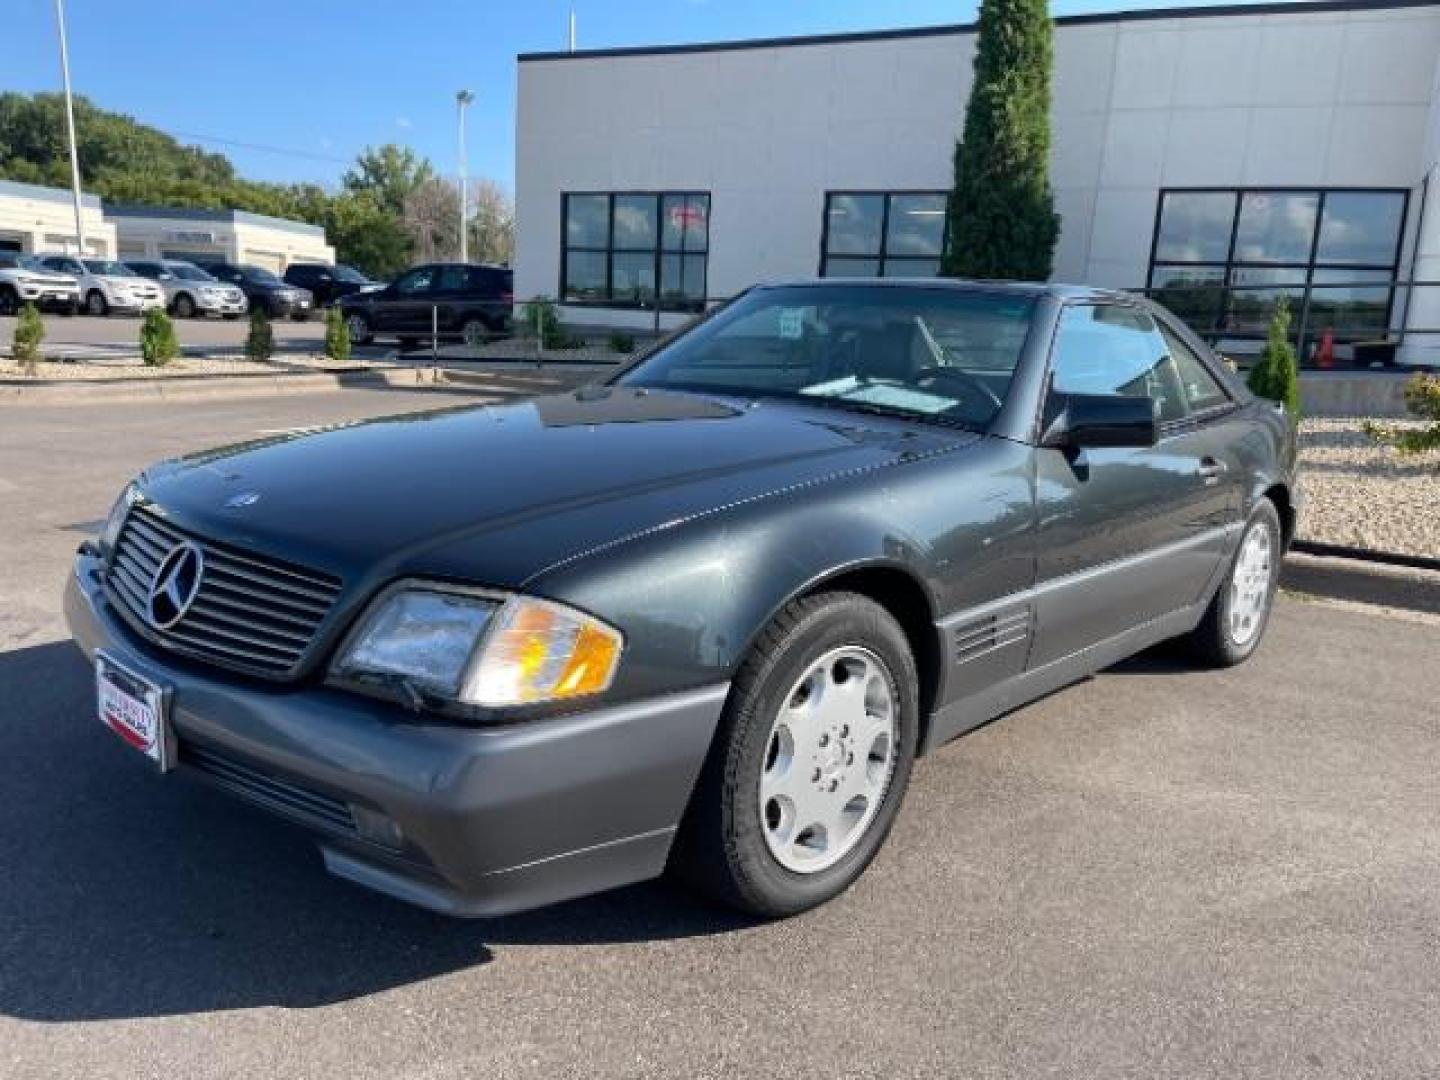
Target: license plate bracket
(136,708)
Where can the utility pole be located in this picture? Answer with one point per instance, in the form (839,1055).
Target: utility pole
(462,100)
(70,126)
(572,28)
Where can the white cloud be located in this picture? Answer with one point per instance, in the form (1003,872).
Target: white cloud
(403,122)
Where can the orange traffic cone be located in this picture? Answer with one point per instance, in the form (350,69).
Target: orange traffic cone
(1325,351)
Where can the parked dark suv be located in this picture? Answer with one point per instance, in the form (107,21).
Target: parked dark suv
(327,284)
(469,301)
(263,289)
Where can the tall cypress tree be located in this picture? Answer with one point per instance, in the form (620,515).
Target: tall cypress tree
(1002,221)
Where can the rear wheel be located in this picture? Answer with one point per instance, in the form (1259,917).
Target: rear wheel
(95,303)
(810,763)
(1236,619)
(184,306)
(475,332)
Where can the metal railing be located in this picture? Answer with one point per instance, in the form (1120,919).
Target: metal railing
(1312,319)
(1216,312)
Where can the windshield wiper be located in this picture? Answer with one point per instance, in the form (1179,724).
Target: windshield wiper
(894,412)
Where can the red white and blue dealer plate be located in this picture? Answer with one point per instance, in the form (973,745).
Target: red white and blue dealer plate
(134,708)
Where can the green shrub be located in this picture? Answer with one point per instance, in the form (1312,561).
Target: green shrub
(158,344)
(260,341)
(1002,221)
(1276,374)
(29,332)
(337,336)
(621,342)
(1422,400)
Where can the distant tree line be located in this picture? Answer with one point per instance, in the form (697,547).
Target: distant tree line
(391,209)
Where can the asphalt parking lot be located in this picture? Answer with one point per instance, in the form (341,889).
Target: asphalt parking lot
(1156,873)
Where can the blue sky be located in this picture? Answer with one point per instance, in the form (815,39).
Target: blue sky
(324,78)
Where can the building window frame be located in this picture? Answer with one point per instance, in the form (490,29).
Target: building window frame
(883,257)
(1305,271)
(658,253)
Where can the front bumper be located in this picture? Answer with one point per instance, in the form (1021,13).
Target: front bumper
(48,296)
(481,821)
(217,305)
(129,302)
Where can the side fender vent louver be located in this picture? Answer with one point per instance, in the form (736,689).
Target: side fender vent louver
(980,637)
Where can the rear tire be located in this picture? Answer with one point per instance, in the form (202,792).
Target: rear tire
(1235,621)
(753,851)
(475,333)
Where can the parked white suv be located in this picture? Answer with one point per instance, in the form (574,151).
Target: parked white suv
(107,285)
(190,291)
(23,280)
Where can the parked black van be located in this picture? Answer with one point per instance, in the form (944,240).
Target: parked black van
(326,283)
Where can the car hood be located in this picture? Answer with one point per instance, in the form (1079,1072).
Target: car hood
(135,282)
(496,494)
(51,277)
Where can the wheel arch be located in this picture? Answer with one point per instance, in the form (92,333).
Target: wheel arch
(901,593)
(1280,495)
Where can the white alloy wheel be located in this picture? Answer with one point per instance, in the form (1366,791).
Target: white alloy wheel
(829,760)
(1250,584)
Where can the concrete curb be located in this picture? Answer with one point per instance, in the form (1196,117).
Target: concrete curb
(204,387)
(1362,581)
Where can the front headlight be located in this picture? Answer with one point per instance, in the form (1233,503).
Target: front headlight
(473,650)
(115,521)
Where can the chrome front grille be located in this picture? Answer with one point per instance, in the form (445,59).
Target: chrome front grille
(251,613)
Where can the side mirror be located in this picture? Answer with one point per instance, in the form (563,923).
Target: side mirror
(1099,420)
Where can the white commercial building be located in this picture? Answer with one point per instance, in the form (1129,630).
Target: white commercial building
(1228,155)
(237,236)
(40,220)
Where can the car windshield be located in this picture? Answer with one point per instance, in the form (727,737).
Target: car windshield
(186,272)
(259,275)
(108,268)
(349,274)
(944,355)
(13,259)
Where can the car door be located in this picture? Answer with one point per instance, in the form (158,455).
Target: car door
(407,308)
(1128,535)
(450,294)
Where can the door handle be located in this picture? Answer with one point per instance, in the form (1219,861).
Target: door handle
(1211,469)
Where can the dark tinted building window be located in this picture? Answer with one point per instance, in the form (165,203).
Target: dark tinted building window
(1222,260)
(883,234)
(628,248)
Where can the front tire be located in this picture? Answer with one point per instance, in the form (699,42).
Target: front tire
(810,762)
(359,329)
(184,306)
(95,303)
(1235,621)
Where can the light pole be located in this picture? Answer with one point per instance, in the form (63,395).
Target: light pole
(70,126)
(462,99)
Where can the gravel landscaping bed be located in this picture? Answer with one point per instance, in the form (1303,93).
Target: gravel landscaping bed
(183,367)
(1365,495)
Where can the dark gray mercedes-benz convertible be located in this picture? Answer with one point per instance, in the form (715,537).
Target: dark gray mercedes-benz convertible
(702,617)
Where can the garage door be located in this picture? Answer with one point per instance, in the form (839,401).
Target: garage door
(270,260)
